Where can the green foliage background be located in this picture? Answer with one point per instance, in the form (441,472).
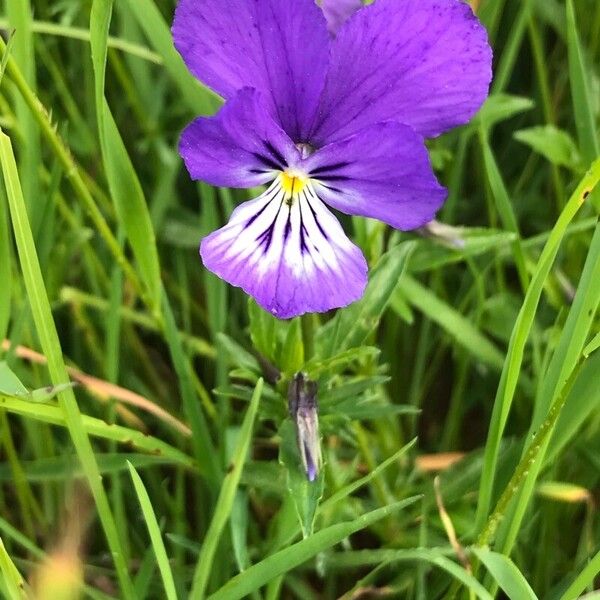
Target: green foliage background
(171,470)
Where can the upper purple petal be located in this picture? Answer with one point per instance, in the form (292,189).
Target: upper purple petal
(383,172)
(280,47)
(337,12)
(241,146)
(426,63)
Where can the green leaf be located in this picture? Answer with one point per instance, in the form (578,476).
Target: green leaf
(67,467)
(501,107)
(287,559)
(263,327)
(471,241)
(583,401)
(292,353)
(304,493)
(352,325)
(506,574)
(432,556)
(10,385)
(554,144)
(155,534)
(316,367)
(504,206)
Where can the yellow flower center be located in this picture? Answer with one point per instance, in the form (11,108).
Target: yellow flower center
(293,183)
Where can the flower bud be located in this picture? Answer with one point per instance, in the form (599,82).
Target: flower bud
(304,411)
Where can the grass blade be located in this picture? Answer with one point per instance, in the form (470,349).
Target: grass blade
(285,560)
(15,586)
(42,314)
(506,574)
(155,536)
(123,182)
(582,103)
(98,428)
(226,498)
(520,334)
(200,99)
(459,327)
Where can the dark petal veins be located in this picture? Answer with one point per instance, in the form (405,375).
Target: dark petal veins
(276,248)
(383,172)
(240,146)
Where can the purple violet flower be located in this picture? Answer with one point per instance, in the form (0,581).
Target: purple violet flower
(328,113)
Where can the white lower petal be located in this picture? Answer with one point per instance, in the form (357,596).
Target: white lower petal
(289,252)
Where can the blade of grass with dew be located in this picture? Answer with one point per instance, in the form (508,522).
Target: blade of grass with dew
(520,334)
(48,335)
(155,536)
(123,182)
(13,580)
(98,428)
(285,560)
(566,356)
(226,498)
(583,401)
(506,574)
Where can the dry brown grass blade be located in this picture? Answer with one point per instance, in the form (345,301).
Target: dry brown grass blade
(106,391)
(431,463)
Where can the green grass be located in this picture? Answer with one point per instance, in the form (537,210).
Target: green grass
(489,347)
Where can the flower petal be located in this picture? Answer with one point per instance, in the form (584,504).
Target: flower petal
(290,254)
(241,146)
(381,172)
(280,47)
(426,63)
(337,12)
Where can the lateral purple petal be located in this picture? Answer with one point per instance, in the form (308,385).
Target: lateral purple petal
(293,258)
(280,47)
(426,63)
(241,146)
(337,12)
(382,172)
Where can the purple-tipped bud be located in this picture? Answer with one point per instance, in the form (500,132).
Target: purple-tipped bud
(304,410)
